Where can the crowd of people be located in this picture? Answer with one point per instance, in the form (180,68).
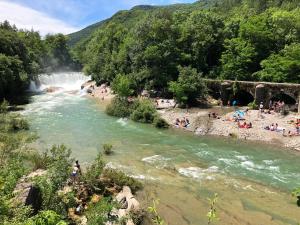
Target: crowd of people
(277,106)
(213,115)
(244,125)
(183,123)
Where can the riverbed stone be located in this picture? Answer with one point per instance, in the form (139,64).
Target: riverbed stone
(26,193)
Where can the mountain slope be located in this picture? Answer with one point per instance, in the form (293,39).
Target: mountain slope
(127,17)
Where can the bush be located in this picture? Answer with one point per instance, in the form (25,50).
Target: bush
(58,165)
(46,218)
(98,213)
(253,105)
(19,124)
(119,108)
(93,173)
(144,112)
(4,106)
(121,179)
(189,87)
(122,86)
(160,123)
(107,149)
(296,193)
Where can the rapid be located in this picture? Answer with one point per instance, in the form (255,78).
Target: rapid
(253,180)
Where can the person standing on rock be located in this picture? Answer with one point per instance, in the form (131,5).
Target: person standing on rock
(74,174)
(78,166)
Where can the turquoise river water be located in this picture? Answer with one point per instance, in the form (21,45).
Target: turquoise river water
(253,180)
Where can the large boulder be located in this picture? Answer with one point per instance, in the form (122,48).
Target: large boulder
(128,204)
(27,193)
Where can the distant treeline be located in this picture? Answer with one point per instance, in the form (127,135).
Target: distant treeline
(24,54)
(255,40)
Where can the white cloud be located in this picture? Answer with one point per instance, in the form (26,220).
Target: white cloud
(24,17)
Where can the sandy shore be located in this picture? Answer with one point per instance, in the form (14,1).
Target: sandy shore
(201,124)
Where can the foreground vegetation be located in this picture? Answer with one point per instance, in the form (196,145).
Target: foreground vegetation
(17,159)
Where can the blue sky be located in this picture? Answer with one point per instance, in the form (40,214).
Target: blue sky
(66,15)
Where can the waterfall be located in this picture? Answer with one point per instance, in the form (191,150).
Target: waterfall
(68,81)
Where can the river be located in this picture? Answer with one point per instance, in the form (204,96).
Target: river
(253,180)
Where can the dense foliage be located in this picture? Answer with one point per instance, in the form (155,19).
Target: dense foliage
(24,54)
(188,87)
(139,110)
(227,39)
(59,194)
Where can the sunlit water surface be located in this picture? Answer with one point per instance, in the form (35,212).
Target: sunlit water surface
(253,180)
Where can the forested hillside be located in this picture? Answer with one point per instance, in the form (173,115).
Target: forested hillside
(226,39)
(24,54)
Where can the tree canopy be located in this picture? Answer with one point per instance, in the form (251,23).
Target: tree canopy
(225,39)
(24,54)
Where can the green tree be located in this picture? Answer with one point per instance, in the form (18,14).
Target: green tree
(238,60)
(121,85)
(201,39)
(282,67)
(189,87)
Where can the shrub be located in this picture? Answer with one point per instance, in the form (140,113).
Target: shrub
(19,124)
(119,108)
(296,193)
(4,106)
(144,112)
(189,86)
(160,123)
(98,213)
(58,165)
(93,172)
(46,218)
(107,149)
(122,86)
(121,179)
(253,105)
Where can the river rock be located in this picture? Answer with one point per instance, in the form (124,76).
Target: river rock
(128,204)
(26,193)
(52,89)
(89,90)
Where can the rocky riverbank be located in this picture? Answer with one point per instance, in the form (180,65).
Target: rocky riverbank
(201,124)
(102,92)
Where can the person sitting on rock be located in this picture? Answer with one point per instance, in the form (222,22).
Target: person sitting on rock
(187,122)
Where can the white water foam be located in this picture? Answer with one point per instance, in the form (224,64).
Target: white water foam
(143,177)
(229,162)
(242,157)
(123,121)
(154,158)
(67,81)
(158,161)
(249,165)
(268,162)
(199,173)
(62,84)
